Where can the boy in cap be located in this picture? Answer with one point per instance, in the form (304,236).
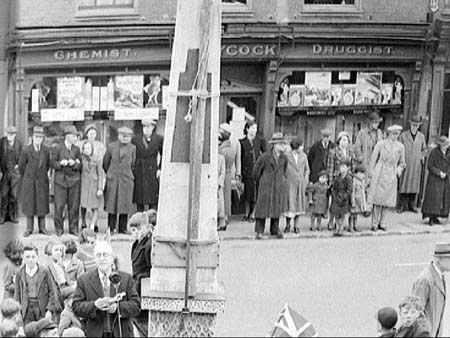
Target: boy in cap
(67,164)
(42,328)
(386,320)
(10,149)
(413,324)
(318,155)
(341,192)
(318,200)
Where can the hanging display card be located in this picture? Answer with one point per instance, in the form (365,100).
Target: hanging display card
(51,115)
(128,91)
(70,93)
(318,86)
(136,113)
(386,93)
(348,97)
(368,88)
(336,95)
(296,95)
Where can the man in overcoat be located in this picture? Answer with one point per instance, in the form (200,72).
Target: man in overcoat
(149,146)
(318,155)
(366,140)
(94,298)
(10,149)
(34,165)
(270,175)
(66,161)
(415,148)
(119,163)
(430,288)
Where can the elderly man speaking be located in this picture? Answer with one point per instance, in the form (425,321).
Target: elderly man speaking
(96,299)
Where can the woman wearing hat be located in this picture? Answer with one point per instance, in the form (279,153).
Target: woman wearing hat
(387,165)
(436,202)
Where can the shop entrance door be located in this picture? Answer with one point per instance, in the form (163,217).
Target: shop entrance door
(249,102)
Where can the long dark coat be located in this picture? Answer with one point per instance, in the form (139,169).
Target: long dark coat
(249,156)
(146,187)
(66,176)
(118,164)
(341,193)
(34,167)
(319,195)
(3,150)
(270,175)
(89,289)
(414,154)
(141,260)
(318,159)
(437,192)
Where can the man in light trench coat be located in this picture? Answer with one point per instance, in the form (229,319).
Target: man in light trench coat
(430,288)
(415,148)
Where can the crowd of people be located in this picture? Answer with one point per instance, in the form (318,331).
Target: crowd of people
(70,290)
(337,181)
(86,175)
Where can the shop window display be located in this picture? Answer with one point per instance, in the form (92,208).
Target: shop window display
(329,2)
(92,4)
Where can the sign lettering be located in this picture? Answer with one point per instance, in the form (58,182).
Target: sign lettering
(338,50)
(249,50)
(71,55)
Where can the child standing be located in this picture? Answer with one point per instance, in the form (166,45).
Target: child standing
(34,288)
(341,192)
(13,252)
(318,200)
(359,198)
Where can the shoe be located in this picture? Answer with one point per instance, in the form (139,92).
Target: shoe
(436,220)
(126,232)
(222,228)
(312,229)
(75,233)
(414,210)
(337,234)
(251,220)
(329,227)
(27,233)
(374,229)
(14,220)
(356,229)
(319,229)
(280,235)
(296,230)
(96,228)
(59,233)
(44,232)
(287,229)
(244,219)
(259,236)
(382,228)
(2,220)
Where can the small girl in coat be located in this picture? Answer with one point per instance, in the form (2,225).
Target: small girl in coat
(359,198)
(318,200)
(341,193)
(92,185)
(13,252)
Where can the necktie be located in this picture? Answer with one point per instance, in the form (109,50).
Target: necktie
(106,290)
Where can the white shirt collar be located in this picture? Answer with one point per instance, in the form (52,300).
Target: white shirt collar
(440,273)
(31,272)
(68,146)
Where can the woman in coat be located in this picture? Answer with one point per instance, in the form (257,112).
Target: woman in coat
(387,165)
(297,175)
(91,134)
(92,185)
(270,175)
(436,202)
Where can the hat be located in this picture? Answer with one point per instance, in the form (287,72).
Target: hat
(89,127)
(149,122)
(394,128)
(323,173)
(225,127)
(341,135)
(442,140)
(11,130)
(34,329)
(387,317)
(278,138)
(375,117)
(415,120)
(70,130)
(138,219)
(125,130)
(360,169)
(38,130)
(442,249)
(326,132)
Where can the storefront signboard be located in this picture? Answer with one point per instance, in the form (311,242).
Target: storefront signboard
(70,92)
(249,50)
(53,115)
(136,114)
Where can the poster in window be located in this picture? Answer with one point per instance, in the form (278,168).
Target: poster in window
(70,93)
(283,94)
(368,88)
(318,86)
(348,97)
(336,95)
(128,91)
(386,93)
(296,95)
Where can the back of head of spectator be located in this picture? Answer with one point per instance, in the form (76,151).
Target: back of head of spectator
(142,223)
(73,332)
(9,328)
(386,319)
(69,245)
(42,328)
(11,310)
(88,237)
(14,251)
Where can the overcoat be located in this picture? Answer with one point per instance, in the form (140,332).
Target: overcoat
(270,175)
(250,152)
(436,201)
(415,330)
(318,159)
(221,182)
(229,152)
(89,289)
(141,260)
(341,192)
(319,194)
(414,154)
(3,150)
(46,294)
(118,163)
(365,144)
(34,167)
(92,180)
(146,187)
(388,157)
(69,175)
(297,175)
(430,288)
(359,196)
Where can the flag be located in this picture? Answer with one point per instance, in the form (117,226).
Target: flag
(291,324)
(107,236)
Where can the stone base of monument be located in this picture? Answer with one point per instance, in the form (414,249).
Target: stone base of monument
(167,319)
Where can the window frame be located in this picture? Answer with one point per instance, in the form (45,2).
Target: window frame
(108,11)
(354,9)
(238,10)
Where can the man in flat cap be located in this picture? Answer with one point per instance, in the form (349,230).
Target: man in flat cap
(318,155)
(34,166)
(119,163)
(149,147)
(10,149)
(66,161)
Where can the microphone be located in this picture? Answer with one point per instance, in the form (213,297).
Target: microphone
(114,278)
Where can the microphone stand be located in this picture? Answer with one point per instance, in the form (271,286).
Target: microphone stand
(116,286)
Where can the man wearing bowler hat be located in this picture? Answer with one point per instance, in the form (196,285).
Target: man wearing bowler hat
(366,139)
(34,165)
(66,161)
(318,155)
(10,149)
(430,287)
(119,163)
(415,150)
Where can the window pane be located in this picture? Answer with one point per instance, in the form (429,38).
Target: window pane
(86,3)
(235,1)
(105,2)
(123,2)
(329,2)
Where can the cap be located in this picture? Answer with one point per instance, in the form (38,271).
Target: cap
(323,173)
(442,249)
(342,134)
(11,130)
(70,130)
(375,117)
(326,132)
(225,127)
(125,130)
(278,138)
(442,140)
(387,317)
(415,120)
(149,122)
(34,329)
(38,130)
(394,128)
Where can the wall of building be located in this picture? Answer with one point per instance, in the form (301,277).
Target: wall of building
(5,23)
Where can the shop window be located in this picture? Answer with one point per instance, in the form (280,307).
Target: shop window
(330,6)
(237,8)
(96,8)
(445,123)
